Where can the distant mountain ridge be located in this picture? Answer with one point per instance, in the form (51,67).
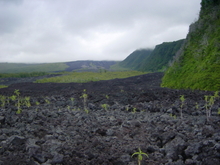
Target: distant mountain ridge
(56,67)
(89,65)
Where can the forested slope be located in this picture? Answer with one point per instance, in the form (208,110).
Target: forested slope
(152,60)
(197,66)
(134,60)
(160,56)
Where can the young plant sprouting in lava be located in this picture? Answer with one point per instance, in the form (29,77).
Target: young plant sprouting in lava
(140,157)
(85,96)
(210,100)
(182,99)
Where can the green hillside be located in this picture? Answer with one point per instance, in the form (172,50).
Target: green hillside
(160,56)
(197,66)
(152,60)
(134,60)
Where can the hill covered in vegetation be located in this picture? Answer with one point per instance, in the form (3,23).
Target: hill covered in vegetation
(152,59)
(134,60)
(160,56)
(197,65)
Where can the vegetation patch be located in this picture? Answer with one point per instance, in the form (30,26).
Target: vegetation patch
(3,86)
(22,75)
(84,77)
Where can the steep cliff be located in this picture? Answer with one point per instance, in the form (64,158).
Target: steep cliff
(197,65)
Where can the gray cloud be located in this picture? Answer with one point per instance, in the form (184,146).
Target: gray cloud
(55,30)
(10,16)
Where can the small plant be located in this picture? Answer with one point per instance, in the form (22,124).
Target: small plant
(13,97)
(182,99)
(37,103)
(84,96)
(210,100)
(218,111)
(47,101)
(197,105)
(68,107)
(72,100)
(17,92)
(3,100)
(105,106)
(140,157)
(19,111)
(86,110)
(27,101)
(107,97)
(173,116)
(18,104)
(134,110)
(74,109)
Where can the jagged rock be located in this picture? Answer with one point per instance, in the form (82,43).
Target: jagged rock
(16,140)
(2,120)
(57,159)
(174,148)
(208,131)
(39,157)
(192,150)
(125,159)
(51,134)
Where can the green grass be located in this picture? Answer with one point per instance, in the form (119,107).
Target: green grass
(22,75)
(3,86)
(118,67)
(21,67)
(83,77)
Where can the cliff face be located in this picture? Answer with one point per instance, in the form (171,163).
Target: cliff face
(197,65)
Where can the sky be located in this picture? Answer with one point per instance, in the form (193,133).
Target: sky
(36,31)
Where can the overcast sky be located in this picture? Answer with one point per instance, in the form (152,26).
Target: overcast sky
(70,30)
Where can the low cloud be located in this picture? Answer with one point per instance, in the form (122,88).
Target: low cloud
(56,31)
